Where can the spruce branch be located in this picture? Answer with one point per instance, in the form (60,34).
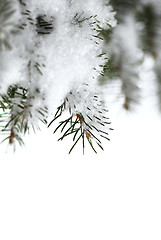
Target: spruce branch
(82,124)
(23,103)
(16,114)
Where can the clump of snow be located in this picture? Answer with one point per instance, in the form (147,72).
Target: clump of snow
(82,102)
(55,57)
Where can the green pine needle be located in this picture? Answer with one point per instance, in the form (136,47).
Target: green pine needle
(77,124)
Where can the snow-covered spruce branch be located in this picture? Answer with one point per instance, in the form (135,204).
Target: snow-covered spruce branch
(55,58)
(87,117)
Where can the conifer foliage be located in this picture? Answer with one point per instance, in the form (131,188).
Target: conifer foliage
(53,56)
(136,37)
(45,50)
(87,117)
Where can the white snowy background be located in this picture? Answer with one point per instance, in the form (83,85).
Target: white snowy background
(47,194)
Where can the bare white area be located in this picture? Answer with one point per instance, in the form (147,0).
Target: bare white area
(47,194)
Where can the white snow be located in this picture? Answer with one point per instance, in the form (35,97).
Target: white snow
(54,63)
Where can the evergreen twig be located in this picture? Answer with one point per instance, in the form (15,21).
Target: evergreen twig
(77,123)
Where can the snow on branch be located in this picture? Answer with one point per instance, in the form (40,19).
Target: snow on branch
(57,45)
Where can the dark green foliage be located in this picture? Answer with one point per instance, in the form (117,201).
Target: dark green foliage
(15,114)
(44,25)
(123,7)
(77,126)
(79,19)
(106,34)
(147,16)
(120,66)
(6,25)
